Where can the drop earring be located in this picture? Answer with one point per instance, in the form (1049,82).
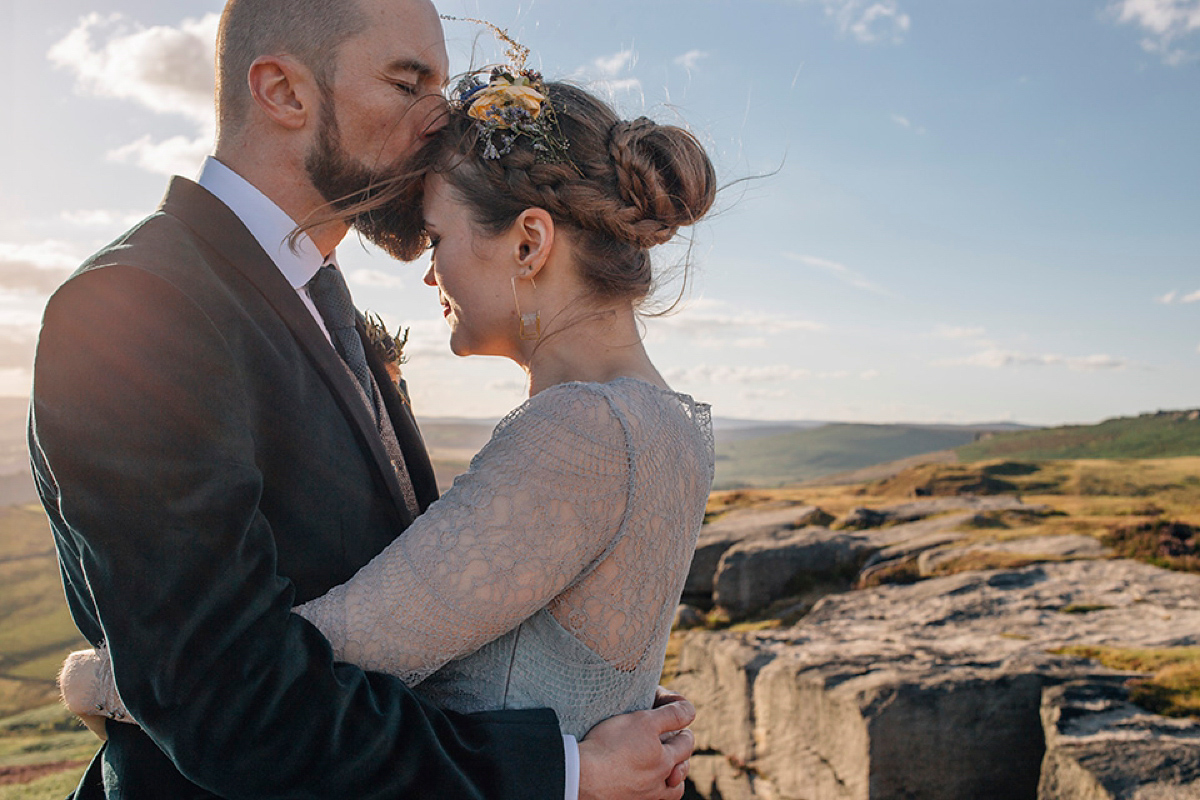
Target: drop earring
(529,326)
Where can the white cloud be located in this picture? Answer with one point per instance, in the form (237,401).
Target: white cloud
(428,339)
(167,70)
(907,124)
(772,373)
(604,74)
(511,387)
(1165,22)
(713,323)
(995,358)
(1173,297)
(841,271)
(691,59)
(178,155)
(15,382)
(374,277)
(766,394)
(100,218)
(869,21)
(615,64)
(956,332)
(37,268)
(705,373)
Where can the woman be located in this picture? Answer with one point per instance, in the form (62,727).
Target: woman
(548,574)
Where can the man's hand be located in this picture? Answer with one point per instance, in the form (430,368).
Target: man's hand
(639,756)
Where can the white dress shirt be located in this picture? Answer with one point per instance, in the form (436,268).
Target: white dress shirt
(272,228)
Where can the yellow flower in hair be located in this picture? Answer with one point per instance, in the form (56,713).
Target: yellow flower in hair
(490,102)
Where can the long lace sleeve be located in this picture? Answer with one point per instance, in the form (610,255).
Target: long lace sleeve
(542,503)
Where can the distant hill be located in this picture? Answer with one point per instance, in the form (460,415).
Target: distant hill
(1165,434)
(453,441)
(36,631)
(779,459)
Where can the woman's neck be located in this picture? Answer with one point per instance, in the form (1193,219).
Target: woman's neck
(595,347)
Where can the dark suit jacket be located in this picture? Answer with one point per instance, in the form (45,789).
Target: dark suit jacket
(207,464)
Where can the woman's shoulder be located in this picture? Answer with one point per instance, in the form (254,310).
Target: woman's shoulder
(600,403)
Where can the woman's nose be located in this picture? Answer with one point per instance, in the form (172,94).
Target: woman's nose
(430,279)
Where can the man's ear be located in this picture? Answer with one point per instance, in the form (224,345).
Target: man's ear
(533,238)
(284,89)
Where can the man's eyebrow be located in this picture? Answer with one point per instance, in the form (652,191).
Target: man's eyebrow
(411,65)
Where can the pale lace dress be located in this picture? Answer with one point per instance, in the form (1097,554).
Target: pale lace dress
(548,575)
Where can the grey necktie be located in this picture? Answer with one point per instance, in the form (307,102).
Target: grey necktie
(331,296)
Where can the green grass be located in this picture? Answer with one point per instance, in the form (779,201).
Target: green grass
(36,631)
(51,787)
(1162,435)
(779,460)
(45,736)
(1173,688)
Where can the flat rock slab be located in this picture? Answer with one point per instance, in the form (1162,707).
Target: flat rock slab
(861,518)
(1102,747)
(874,682)
(1069,545)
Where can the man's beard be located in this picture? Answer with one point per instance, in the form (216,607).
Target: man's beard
(395,224)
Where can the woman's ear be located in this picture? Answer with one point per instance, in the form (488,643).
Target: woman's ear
(284,89)
(533,234)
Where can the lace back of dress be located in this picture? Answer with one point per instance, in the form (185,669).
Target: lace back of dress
(622,606)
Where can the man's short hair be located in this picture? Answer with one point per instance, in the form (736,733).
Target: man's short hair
(312,31)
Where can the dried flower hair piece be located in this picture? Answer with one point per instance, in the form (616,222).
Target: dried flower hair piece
(517,53)
(513,102)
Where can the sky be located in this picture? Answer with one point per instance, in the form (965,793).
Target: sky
(967,211)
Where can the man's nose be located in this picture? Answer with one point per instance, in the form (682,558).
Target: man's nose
(436,117)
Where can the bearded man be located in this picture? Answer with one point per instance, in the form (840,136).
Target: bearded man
(210,455)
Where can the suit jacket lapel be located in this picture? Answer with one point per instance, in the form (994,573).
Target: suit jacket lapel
(220,227)
(416,457)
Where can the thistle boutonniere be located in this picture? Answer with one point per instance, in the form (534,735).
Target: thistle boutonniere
(389,348)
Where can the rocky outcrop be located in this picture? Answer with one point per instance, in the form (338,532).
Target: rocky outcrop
(1032,548)
(732,528)
(750,559)
(1102,747)
(757,571)
(925,691)
(862,518)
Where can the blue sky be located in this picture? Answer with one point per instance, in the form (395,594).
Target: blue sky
(967,211)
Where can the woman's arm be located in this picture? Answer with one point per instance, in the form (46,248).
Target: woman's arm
(542,502)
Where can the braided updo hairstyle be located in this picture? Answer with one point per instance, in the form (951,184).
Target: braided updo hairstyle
(624,187)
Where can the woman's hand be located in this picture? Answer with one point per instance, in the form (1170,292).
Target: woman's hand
(85,683)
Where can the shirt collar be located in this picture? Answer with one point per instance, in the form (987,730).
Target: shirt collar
(268,223)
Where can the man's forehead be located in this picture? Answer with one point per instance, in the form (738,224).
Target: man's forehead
(406,36)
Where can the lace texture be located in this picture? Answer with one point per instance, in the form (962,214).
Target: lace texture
(548,575)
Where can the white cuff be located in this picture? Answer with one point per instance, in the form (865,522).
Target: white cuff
(571,759)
